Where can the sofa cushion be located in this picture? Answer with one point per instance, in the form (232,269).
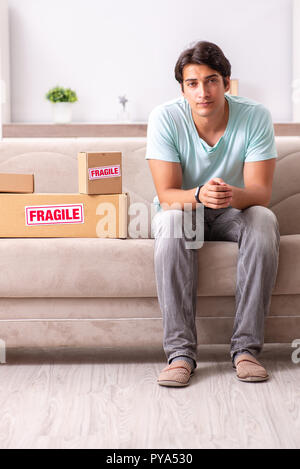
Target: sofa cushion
(93,267)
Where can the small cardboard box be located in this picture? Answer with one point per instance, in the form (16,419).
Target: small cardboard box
(13,182)
(100,173)
(63,216)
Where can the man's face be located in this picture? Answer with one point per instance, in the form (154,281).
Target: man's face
(202,84)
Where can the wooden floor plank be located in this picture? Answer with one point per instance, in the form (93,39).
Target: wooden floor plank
(69,398)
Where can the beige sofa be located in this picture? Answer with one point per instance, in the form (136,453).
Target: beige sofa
(102,292)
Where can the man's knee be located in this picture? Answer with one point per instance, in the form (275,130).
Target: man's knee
(261,216)
(168,224)
(263,223)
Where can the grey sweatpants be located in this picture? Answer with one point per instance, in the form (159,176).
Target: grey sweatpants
(256,231)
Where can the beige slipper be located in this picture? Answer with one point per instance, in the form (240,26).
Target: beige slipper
(249,369)
(177,374)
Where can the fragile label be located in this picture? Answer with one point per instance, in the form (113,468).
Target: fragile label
(104,172)
(54,214)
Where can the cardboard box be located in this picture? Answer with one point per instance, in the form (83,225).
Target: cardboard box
(63,216)
(100,173)
(12,182)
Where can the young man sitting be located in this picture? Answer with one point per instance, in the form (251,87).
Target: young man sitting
(210,148)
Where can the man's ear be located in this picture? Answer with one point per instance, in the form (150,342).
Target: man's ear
(227,88)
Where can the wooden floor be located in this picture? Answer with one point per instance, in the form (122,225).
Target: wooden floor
(110,399)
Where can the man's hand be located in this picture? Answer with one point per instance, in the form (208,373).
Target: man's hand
(216,194)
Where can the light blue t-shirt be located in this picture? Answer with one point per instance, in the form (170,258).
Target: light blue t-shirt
(249,136)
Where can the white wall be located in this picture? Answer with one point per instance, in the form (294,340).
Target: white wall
(4,64)
(105,48)
(296,61)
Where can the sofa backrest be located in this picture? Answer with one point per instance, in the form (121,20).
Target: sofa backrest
(54,164)
(285,198)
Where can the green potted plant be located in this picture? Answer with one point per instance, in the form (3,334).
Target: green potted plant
(62,99)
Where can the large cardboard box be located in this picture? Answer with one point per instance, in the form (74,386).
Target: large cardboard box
(100,173)
(12,182)
(63,216)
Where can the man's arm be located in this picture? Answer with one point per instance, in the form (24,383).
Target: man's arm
(258,180)
(167,179)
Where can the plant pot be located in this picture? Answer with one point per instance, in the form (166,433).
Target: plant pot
(62,113)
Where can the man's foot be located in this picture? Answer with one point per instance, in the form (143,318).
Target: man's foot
(177,374)
(249,369)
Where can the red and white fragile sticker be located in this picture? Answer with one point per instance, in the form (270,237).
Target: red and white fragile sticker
(104,172)
(54,214)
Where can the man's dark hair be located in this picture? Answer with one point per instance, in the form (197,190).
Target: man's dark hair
(203,53)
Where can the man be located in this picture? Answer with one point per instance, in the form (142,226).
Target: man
(218,150)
